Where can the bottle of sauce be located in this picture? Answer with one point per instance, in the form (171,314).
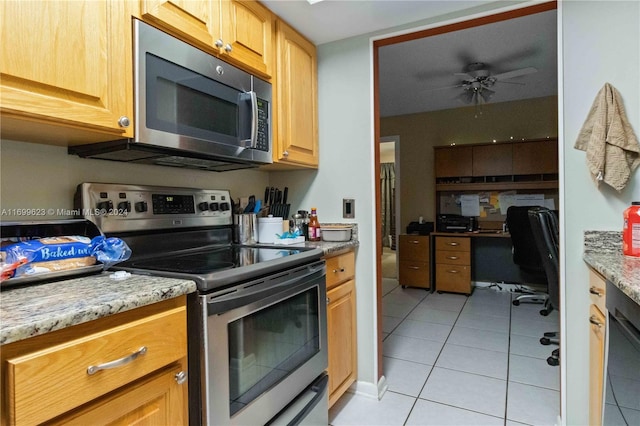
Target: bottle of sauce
(314,226)
(631,230)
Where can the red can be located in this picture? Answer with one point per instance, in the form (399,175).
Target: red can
(631,230)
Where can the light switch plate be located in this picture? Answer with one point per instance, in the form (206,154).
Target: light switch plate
(348,208)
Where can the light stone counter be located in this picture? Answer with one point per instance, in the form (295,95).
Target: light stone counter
(38,309)
(603,252)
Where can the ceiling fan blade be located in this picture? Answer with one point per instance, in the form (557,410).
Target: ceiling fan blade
(515,73)
(465,76)
(432,89)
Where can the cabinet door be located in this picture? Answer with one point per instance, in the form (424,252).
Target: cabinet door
(538,157)
(247,37)
(191,20)
(596,364)
(341,330)
(65,63)
(296,139)
(492,160)
(453,161)
(160,399)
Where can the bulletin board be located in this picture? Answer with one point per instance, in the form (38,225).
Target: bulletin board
(493,205)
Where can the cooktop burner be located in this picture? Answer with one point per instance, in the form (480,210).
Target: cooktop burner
(212,260)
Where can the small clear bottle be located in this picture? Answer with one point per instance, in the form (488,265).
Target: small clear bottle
(314,226)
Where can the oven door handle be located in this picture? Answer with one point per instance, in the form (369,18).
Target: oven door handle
(319,388)
(308,277)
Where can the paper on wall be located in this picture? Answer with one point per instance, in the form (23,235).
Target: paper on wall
(529,199)
(550,204)
(506,200)
(470,205)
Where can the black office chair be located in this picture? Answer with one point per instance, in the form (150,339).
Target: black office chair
(526,255)
(544,224)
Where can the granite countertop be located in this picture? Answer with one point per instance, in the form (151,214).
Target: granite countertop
(38,309)
(603,252)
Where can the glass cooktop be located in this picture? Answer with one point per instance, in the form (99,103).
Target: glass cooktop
(207,261)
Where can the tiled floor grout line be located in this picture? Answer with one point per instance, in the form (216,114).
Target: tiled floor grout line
(506,394)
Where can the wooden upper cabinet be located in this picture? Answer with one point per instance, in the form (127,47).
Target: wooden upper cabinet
(453,161)
(65,70)
(296,135)
(247,34)
(239,31)
(492,160)
(191,20)
(537,157)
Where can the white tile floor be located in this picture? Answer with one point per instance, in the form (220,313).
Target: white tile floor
(456,360)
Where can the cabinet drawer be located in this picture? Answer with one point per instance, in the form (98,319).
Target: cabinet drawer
(414,274)
(340,268)
(597,288)
(414,247)
(453,278)
(453,257)
(46,383)
(453,243)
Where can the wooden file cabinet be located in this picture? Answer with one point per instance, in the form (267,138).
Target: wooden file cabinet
(453,264)
(414,261)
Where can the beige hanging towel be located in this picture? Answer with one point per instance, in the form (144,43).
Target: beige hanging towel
(607,137)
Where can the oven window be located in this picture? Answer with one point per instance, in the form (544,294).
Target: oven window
(265,346)
(183,102)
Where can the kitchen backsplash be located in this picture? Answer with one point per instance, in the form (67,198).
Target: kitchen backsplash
(38,181)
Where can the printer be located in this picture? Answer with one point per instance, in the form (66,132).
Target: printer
(456,223)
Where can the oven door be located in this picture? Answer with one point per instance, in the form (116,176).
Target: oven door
(265,343)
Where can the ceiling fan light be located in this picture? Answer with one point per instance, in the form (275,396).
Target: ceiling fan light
(486,94)
(466,96)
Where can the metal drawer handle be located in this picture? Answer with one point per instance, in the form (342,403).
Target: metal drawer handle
(335,271)
(594,290)
(454,244)
(593,320)
(453,271)
(452,257)
(414,267)
(93,369)
(181,377)
(414,242)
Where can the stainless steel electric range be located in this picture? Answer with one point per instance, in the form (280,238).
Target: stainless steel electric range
(257,325)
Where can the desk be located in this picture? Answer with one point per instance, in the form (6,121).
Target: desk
(490,259)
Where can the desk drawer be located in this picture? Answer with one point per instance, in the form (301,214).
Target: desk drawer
(340,268)
(453,278)
(414,247)
(52,381)
(453,257)
(414,274)
(453,243)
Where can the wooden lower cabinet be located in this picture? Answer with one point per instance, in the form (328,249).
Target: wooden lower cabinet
(413,262)
(65,376)
(597,335)
(341,324)
(453,264)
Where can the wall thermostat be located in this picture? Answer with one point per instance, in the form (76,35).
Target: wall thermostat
(348,208)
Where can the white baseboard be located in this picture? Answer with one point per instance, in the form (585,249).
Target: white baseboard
(368,389)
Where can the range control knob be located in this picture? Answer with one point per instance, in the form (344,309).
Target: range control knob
(203,206)
(105,206)
(140,206)
(214,207)
(124,207)
(225,206)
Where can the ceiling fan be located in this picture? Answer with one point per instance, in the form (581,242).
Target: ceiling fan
(477,81)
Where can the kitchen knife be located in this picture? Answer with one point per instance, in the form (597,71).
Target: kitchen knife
(266,196)
(285,195)
(272,195)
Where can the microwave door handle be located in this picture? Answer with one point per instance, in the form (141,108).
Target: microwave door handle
(253,141)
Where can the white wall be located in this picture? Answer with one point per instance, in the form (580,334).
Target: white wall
(35,176)
(601,43)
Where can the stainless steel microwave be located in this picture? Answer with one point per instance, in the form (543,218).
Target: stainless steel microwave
(191,110)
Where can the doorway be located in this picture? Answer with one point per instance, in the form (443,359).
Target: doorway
(426,166)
